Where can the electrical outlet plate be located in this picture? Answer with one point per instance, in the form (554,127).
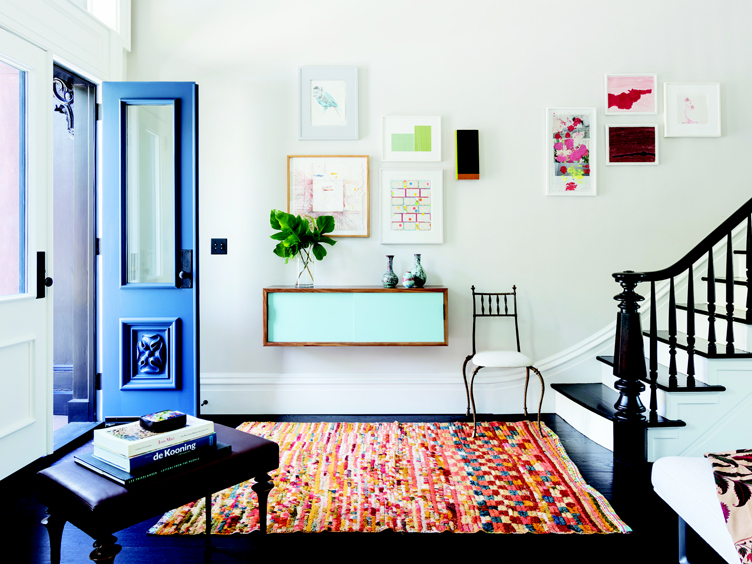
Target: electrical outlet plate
(219,246)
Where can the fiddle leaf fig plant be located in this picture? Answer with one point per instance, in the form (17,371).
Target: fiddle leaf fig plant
(296,234)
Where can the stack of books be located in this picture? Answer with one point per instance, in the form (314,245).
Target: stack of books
(130,454)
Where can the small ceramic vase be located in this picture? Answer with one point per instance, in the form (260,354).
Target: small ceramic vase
(418,273)
(389,280)
(408,280)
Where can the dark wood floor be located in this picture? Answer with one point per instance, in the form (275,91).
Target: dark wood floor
(24,540)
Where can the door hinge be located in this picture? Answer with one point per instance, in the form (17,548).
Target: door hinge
(97,246)
(98,112)
(98,381)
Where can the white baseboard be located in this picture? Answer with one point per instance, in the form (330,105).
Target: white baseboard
(495,392)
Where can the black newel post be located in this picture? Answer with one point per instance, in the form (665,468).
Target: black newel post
(630,444)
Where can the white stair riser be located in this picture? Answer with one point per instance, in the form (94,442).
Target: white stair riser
(742,333)
(593,426)
(701,295)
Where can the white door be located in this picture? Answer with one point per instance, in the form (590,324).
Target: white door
(25,321)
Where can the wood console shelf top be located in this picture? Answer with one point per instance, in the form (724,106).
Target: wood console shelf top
(337,316)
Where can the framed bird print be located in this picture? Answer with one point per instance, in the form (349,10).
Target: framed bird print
(328,105)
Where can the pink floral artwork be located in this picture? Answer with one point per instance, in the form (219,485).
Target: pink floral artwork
(571,137)
(631,94)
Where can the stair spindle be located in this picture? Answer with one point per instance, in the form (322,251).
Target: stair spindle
(729,296)
(690,330)
(672,381)
(711,303)
(653,356)
(748,263)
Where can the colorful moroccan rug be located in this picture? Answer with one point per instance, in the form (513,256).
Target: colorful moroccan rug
(410,477)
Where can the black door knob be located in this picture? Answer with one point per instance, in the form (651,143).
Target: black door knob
(48,281)
(183,275)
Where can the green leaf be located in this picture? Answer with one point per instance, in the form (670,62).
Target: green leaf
(281,236)
(328,240)
(274,221)
(319,252)
(325,224)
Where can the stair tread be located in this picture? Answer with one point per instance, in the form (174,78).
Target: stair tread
(740,252)
(600,399)
(702,308)
(663,376)
(701,346)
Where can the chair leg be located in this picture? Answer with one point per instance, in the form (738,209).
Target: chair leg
(524,398)
(105,550)
(467,390)
(472,397)
(543,391)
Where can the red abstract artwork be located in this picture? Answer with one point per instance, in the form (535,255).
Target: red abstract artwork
(632,144)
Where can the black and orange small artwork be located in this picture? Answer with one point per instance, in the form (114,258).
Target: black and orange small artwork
(467,156)
(632,144)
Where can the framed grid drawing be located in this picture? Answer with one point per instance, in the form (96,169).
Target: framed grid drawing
(412,207)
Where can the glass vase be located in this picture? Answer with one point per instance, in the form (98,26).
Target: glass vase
(305,265)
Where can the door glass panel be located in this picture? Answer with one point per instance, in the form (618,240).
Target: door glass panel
(12,181)
(150,194)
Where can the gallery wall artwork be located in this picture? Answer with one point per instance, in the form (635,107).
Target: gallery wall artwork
(631,94)
(412,207)
(328,102)
(330,185)
(692,109)
(467,162)
(411,138)
(631,144)
(571,152)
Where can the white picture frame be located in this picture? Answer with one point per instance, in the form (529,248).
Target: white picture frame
(327,103)
(631,94)
(630,144)
(411,139)
(429,184)
(692,109)
(569,172)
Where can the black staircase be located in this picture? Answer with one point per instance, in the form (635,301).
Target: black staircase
(634,371)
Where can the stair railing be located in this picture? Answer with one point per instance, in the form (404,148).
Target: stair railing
(630,422)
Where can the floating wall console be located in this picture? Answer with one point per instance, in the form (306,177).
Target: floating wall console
(355,316)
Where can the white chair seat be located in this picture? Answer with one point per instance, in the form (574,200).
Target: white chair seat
(501,359)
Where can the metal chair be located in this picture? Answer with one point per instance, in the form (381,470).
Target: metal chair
(491,306)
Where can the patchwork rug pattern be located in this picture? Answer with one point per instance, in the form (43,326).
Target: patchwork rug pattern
(410,477)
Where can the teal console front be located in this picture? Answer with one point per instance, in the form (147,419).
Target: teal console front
(355,316)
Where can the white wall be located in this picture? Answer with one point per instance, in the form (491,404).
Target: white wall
(488,65)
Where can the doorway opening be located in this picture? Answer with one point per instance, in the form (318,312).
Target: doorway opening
(74,252)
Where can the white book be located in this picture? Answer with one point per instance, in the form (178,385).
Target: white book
(131,439)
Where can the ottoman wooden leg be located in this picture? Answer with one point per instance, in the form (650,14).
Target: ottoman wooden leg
(105,550)
(54,526)
(262,487)
(207,504)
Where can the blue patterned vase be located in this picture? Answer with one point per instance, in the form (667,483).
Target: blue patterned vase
(389,280)
(418,273)
(408,280)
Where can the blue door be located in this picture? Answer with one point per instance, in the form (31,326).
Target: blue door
(149,248)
